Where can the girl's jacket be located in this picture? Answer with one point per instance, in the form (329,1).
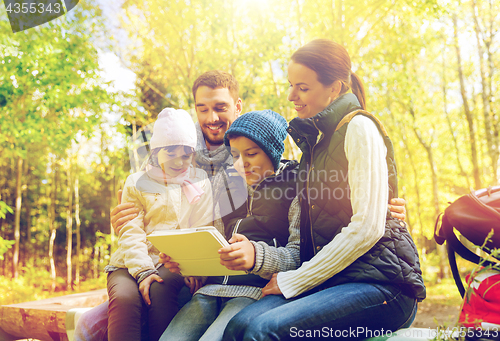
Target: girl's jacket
(163,207)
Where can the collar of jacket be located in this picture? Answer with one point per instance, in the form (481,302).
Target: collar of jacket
(282,174)
(305,131)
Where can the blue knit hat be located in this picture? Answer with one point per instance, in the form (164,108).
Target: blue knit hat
(264,127)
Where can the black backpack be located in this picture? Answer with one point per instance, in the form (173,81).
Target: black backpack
(473,215)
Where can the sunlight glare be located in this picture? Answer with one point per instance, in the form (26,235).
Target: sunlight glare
(252,3)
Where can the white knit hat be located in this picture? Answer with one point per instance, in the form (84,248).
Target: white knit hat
(173,128)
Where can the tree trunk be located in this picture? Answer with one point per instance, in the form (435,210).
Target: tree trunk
(17,224)
(401,131)
(69,226)
(96,261)
(52,222)
(452,133)
(78,236)
(485,95)
(134,148)
(115,191)
(435,193)
(432,164)
(28,217)
(417,190)
(491,70)
(468,114)
(340,21)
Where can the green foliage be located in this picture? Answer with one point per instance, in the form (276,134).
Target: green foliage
(5,245)
(33,283)
(49,76)
(4,208)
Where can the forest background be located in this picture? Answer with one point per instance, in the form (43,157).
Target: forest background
(67,134)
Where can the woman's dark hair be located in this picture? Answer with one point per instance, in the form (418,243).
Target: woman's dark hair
(153,158)
(331,62)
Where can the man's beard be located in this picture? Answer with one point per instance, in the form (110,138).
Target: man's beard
(214,141)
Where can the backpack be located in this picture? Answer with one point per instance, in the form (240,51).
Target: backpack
(473,215)
(481,307)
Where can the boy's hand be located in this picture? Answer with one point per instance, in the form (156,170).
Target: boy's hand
(193,283)
(272,287)
(397,208)
(171,266)
(122,213)
(145,284)
(240,255)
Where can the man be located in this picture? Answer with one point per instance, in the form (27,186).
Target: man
(217,105)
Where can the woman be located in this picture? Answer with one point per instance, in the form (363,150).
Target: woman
(360,274)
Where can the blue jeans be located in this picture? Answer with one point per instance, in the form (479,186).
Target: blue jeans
(93,324)
(347,311)
(204,318)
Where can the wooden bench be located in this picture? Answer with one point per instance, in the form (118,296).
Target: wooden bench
(45,319)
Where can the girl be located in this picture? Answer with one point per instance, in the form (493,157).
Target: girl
(170,194)
(359,270)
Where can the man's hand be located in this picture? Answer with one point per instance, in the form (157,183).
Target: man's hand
(397,208)
(193,283)
(122,214)
(171,266)
(272,287)
(240,255)
(145,284)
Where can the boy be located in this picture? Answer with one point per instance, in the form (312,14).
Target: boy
(256,140)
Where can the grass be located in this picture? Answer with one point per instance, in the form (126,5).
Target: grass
(35,284)
(445,293)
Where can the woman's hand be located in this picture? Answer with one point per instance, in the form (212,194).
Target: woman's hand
(193,283)
(122,213)
(240,255)
(145,284)
(272,287)
(398,208)
(171,266)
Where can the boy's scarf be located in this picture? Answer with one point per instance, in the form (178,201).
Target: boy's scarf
(192,191)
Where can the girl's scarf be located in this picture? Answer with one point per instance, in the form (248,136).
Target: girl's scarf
(191,190)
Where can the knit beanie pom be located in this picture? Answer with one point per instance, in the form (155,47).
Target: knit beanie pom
(264,127)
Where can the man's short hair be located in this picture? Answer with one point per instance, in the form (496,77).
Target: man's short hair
(218,79)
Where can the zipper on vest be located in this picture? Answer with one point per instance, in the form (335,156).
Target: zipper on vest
(320,137)
(250,202)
